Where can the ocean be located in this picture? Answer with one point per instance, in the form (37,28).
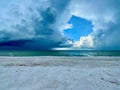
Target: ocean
(81,53)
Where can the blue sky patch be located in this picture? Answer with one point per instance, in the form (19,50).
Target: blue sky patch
(81,27)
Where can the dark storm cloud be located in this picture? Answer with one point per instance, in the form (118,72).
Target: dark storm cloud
(32,26)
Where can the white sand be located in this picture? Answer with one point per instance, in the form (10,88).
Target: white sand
(59,73)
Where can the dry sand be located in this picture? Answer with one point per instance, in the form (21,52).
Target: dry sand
(59,73)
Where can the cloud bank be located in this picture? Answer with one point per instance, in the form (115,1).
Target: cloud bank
(34,22)
(39,24)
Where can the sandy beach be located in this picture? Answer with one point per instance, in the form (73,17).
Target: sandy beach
(59,73)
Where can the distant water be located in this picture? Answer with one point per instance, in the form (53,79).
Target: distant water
(60,53)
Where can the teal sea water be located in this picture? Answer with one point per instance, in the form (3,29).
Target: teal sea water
(60,53)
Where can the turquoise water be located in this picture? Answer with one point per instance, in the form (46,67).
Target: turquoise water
(60,53)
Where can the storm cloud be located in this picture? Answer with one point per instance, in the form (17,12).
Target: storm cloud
(31,25)
(40,24)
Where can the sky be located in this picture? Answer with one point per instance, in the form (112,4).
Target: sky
(80,27)
(51,24)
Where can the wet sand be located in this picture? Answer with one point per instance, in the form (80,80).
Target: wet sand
(60,61)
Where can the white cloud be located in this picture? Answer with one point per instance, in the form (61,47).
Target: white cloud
(85,42)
